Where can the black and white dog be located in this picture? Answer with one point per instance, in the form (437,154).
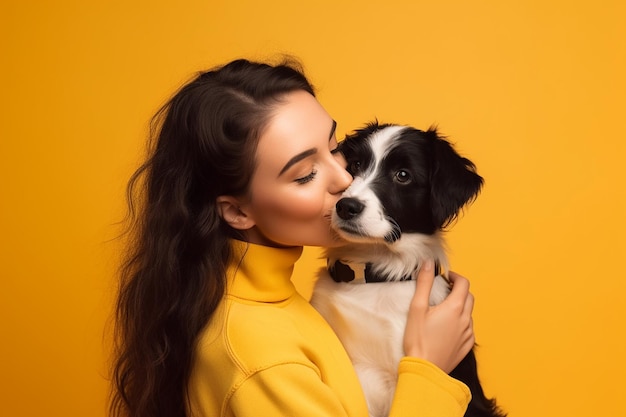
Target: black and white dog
(408,186)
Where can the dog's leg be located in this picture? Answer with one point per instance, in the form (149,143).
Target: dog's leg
(466,371)
(479,406)
(378,387)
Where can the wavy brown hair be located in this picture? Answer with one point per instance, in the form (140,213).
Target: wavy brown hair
(202,145)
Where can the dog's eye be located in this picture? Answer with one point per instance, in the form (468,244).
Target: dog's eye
(354,167)
(402,177)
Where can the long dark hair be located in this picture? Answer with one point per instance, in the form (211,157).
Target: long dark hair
(203,143)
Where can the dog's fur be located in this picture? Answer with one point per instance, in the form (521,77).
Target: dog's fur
(408,186)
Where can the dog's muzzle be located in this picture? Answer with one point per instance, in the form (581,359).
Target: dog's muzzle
(348,208)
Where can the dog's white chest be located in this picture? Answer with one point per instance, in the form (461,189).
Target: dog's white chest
(370,319)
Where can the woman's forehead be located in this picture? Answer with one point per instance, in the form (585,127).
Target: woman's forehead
(298,123)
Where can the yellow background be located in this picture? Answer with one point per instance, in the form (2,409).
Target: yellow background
(533,92)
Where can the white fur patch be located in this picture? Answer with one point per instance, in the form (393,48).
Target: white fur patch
(370,319)
(372,221)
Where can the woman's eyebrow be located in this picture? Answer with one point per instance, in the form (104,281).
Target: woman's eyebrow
(332,130)
(297,159)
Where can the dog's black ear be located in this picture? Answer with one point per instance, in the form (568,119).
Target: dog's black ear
(453,178)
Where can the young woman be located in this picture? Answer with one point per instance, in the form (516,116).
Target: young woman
(243,172)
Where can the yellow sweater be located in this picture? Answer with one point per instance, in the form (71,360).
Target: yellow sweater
(266,352)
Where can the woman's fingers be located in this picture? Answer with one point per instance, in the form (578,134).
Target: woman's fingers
(442,334)
(460,292)
(424,285)
(460,286)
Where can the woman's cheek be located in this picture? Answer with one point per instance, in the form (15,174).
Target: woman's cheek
(290,203)
(305,207)
(312,204)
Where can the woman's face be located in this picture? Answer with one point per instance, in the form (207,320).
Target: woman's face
(299,176)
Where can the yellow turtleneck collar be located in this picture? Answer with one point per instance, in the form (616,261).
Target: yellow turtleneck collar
(261,273)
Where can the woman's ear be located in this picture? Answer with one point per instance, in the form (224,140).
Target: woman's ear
(229,209)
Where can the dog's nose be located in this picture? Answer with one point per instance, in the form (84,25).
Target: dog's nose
(349,208)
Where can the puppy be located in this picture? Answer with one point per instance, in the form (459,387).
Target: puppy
(408,186)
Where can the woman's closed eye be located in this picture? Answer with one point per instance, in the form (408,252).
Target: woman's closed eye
(306,178)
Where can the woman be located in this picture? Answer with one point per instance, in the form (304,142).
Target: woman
(243,172)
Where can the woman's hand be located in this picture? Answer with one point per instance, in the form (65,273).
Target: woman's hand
(441,334)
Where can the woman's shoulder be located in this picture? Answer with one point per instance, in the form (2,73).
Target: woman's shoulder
(252,335)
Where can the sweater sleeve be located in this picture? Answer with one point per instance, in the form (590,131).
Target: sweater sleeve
(291,389)
(423,390)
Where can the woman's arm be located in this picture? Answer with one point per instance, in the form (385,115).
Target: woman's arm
(288,389)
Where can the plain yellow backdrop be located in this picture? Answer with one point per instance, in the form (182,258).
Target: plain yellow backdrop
(533,92)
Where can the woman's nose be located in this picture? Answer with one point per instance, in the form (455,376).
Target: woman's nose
(341,178)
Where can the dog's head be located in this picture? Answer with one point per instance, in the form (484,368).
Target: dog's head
(405,181)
